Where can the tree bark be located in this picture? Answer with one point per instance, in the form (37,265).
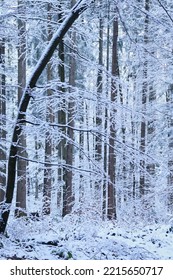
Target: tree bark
(2,123)
(21,163)
(105,185)
(99,111)
(169,100)
(47,186)
(111,213)
(68,199)
(142,183)
(62,118)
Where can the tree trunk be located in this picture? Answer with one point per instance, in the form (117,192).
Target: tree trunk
(21,163)
(105,185)
(99,111)
(111,213)
(99,115)
(2,123)
(68,199)
(169,99)
(47,186)
(142,183)
(62,119)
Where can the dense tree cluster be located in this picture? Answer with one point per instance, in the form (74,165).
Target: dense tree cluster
(86,108)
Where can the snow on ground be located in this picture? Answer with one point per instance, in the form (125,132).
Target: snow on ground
(83,239)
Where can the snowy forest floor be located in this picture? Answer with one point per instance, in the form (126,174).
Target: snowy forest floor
(79,238)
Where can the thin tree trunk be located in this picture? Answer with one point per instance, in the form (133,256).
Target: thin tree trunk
(111,213)
(2,123)
(99,112)
(21,164)
(142,183)
(169,99)
(105,185)
(47,186)
(68,199)
(61,118)
(36,173)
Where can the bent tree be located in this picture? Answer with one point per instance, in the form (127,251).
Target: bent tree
(75,12)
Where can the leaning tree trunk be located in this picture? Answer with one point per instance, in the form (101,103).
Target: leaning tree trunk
(21,119)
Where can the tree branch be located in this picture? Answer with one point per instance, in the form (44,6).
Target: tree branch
(165,10)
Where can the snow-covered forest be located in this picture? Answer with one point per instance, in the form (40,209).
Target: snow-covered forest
(86,129)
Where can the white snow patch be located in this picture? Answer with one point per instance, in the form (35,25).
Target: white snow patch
(80,239)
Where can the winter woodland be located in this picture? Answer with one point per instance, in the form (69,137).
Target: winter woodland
(86,129)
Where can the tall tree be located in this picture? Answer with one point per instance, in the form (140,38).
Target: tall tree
(21,163)
(111,212)
(2,121)
(143,143)
(105,184)
(99,112)
(47,186)
(68,198)
(169,99)
(62,117)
